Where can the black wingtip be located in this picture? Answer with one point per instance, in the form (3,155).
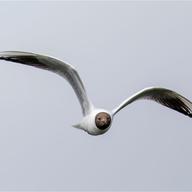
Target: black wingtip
(190,115)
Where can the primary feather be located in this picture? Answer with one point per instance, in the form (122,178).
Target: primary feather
(163,96)
(49,63)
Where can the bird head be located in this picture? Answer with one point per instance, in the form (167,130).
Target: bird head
(96,123)
(102,120)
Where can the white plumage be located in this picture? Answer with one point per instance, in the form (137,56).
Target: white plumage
(97,121)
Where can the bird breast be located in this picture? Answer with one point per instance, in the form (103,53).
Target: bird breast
(89,122)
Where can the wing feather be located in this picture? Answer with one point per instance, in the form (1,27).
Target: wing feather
(162,96)
(51,64)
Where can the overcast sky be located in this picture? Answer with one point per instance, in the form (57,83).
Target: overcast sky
(118,48)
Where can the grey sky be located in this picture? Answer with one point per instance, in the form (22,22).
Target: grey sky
(118,48)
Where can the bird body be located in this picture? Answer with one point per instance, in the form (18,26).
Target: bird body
(97,121)
(88,123)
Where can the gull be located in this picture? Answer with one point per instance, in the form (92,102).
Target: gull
(97,121)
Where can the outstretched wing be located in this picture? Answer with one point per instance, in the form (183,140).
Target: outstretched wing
(51,64)
(163,96)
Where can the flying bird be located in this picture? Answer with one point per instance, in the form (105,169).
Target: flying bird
(97,121)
